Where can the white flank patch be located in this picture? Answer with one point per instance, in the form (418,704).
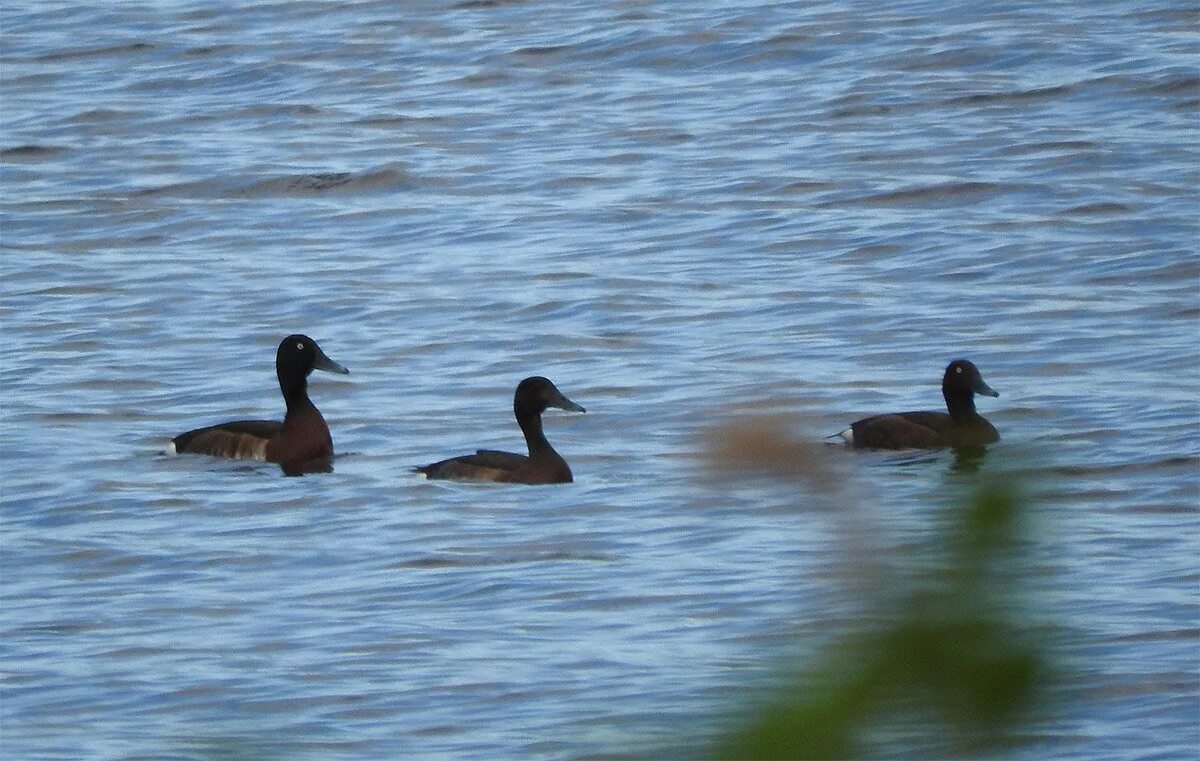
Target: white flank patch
(848,435)
(170,448)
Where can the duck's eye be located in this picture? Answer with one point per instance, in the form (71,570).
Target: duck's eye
(958,370)
(300,346)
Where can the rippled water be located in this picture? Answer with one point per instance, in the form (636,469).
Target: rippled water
(679,212)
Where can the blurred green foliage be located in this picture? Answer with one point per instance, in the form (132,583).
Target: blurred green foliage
(949,658)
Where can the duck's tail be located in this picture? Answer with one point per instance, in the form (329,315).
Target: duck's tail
(846,436)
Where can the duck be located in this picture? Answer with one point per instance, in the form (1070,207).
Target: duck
(541,466)
(299,444)
(962,427)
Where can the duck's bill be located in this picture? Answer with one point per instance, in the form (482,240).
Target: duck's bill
(985,389)
(323,362)
(563,403)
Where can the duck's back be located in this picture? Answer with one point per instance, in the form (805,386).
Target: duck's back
(238,440)
(922,430)
(484,465)
(505,467)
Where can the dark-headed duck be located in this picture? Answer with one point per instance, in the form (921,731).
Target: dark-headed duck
(301,443)
(542,466)
(962,428)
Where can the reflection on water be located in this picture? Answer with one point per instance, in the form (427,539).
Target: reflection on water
(968,459)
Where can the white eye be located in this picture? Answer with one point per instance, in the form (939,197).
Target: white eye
(301,346)
(958,370)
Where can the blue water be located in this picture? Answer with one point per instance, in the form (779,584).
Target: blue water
(683,214)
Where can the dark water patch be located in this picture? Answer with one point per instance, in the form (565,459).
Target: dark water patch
(807,186)
(58,628)
(483,590)
(878,157)
(107,115)
(435,562)
(954,59)
(359,714)
(38,80)
(84,556)
(220,745)
(197,691)
(1152,466)
(400,120)
(659,135)
(72,417)
(861,111)
(1011,96)
(1161,190)
(577,181)
(267,705)
(1052,146)
(1147,684)
(1175,85)
(136,652)
(928,195)
(340,183)
(485,78)
(201,51)
(116,384)
(212,611)
(473,5)
(107,51)
(272,646)
(1184,14)
(540,51)
(32,152)
(1186,635)
(1175,509)
(255,560)
(291,110)
(563,277)
(163,85)
(380,179)
(1100,208)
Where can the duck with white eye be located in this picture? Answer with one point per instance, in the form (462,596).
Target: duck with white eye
(961,427)
(299,444)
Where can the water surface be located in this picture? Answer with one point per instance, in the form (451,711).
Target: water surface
(680,213)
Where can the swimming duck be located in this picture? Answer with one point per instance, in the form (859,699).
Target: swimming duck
(301,443)
(962,427)
(542,466)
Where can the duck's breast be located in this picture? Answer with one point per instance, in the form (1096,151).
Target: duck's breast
(303,438)
(551,469)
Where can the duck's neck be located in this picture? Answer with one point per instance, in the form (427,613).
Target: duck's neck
(531,426)
(295,394)
(960,403)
